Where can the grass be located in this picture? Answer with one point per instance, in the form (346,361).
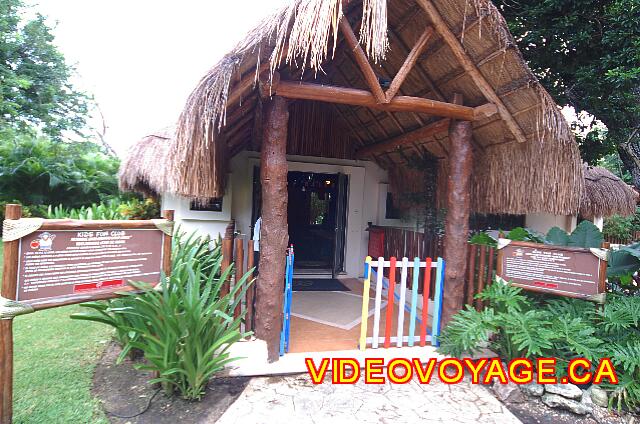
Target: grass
(54,362)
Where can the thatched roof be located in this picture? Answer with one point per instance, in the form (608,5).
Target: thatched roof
(541,173)
(143,169)
(606,195)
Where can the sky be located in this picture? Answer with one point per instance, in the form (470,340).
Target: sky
(140,59)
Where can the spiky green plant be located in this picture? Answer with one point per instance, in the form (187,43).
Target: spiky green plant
(188,327)
(184,331)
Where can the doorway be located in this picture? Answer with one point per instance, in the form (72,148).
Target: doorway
(317,221)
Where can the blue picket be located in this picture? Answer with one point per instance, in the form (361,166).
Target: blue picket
(286,308)
(437,298)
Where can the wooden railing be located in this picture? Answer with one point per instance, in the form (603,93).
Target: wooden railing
(400,242)
(631,238)
(234,251)
(480,271)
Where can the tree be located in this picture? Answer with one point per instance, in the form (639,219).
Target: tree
(39,171)
(587,54)
(35,91)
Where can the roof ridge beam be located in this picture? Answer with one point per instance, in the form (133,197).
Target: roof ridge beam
(481,82)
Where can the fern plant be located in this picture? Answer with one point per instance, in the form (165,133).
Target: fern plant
(518,324)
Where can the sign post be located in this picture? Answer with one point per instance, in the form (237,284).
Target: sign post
(56,262)
(565,271)
(9,282)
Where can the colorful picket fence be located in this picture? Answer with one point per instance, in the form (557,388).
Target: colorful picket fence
(286,309)
(376,270)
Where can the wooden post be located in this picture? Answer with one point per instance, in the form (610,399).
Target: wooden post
(481,271)
(9,285)
(457,220)
(239,261)
(167,245)
(252,289)
(274,229)
(227,255)
(471,283)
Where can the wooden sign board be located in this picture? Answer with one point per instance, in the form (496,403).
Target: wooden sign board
(66,261)
(76,265)
(565,271)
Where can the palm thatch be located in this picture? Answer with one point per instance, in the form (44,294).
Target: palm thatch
(301,41)
(605,195)
(143,169)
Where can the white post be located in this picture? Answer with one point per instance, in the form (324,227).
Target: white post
(599,222)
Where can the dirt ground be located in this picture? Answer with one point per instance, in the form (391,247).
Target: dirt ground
(535,412)
(125,392)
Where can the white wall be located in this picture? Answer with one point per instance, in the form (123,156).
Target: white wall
(212,223)
(543,222)
(363,201)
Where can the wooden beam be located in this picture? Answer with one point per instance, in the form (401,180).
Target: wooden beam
(408,64)
(468,65)
(274,229)
(245,85)
(419,136)
(355,97)
(266,82)
(375,120)
(363,63)
(338,69)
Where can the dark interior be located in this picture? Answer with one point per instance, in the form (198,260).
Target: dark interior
(313,203)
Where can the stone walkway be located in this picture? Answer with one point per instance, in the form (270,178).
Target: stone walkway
(295,400)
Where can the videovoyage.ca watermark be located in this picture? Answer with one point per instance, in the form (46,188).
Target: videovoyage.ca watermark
(453,371)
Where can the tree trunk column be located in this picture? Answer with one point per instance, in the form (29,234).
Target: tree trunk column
(457,220)
(274,234)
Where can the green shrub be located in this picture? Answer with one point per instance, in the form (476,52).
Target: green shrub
(621,227)
(187,328)
(39,171)
(110,209)
(517,324)
(185,249)
(517,234)
(140,209)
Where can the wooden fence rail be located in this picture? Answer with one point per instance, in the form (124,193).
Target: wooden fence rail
(481,271)
(631,238)
(401,242)
(234,252)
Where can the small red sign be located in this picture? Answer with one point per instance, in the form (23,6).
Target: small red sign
(97,286)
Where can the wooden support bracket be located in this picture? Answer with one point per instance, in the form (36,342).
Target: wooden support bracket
(362,61)
(481,82)
(408,64)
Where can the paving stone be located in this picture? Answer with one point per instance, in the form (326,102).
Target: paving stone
(295,399)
